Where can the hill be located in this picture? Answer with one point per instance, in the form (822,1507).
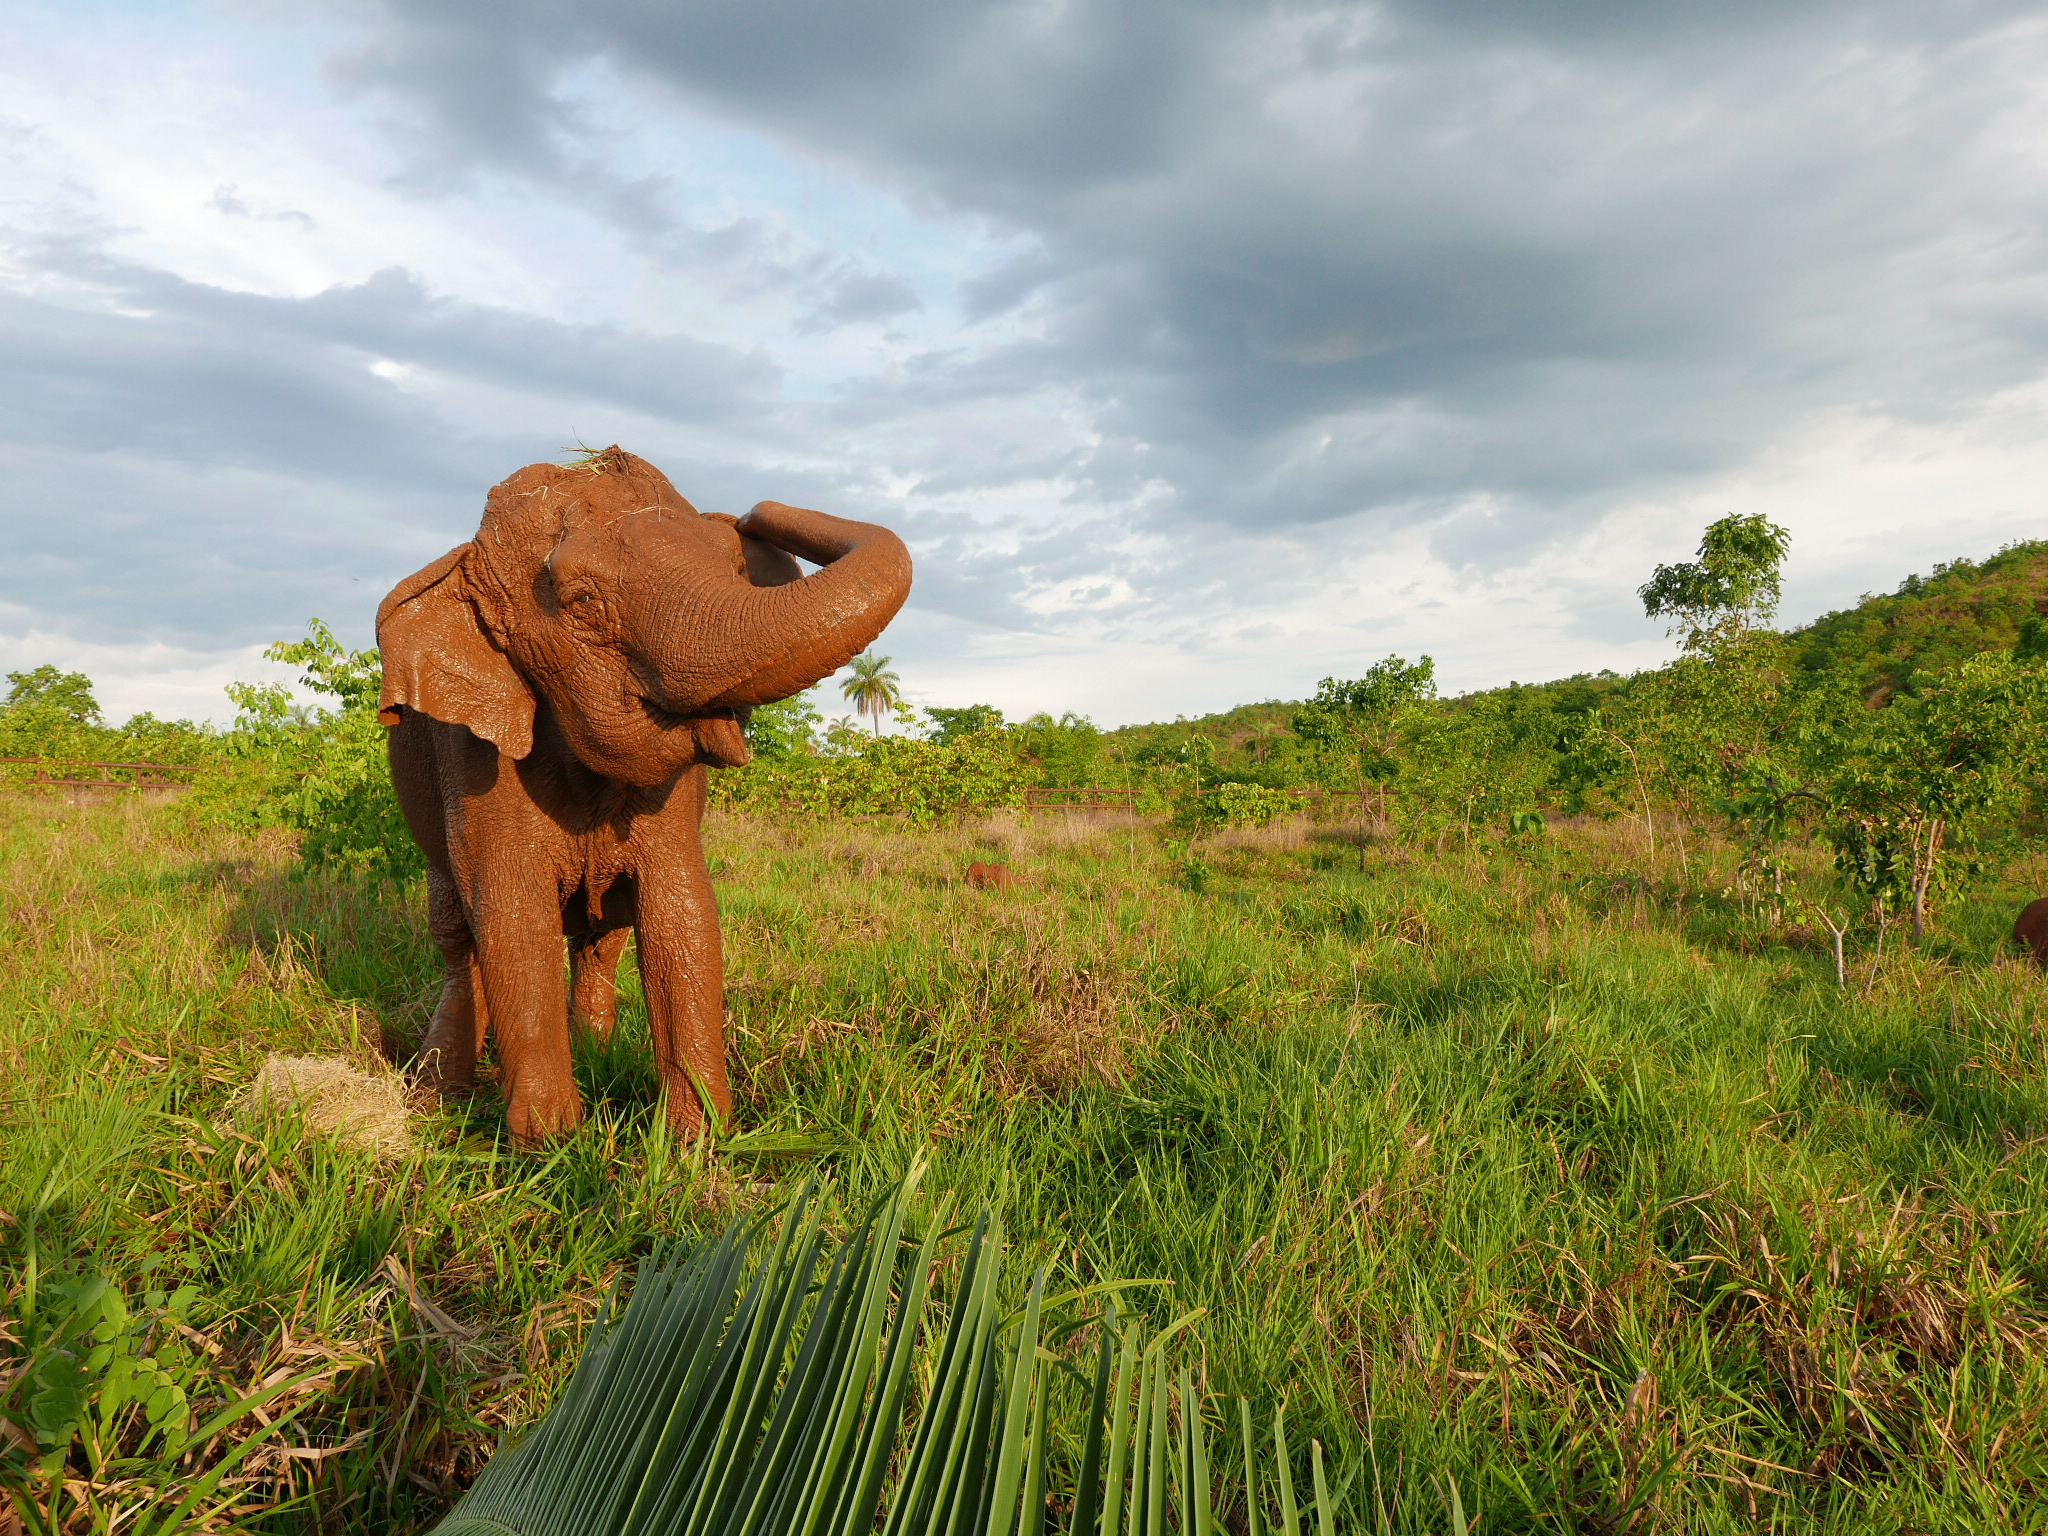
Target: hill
(1931,622)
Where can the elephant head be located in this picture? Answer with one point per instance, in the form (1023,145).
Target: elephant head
(646,626)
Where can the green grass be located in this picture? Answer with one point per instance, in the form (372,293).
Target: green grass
(1545,1173)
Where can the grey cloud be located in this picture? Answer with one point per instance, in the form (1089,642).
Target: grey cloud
(228,200)
(862,295)
(202,466)
(120,546)
(1318,262)
(333,334)
(104,382)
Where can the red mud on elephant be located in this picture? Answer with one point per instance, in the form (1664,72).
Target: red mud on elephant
(556,689)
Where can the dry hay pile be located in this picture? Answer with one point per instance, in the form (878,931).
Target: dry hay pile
(366,1109)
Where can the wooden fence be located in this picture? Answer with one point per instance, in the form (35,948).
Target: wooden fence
(1095,798)
(59,773)
(1080,799)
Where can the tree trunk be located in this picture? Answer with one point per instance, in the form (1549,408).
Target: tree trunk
(1361,813)
(1923,872)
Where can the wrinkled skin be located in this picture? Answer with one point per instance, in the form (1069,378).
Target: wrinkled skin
(556,690)
(2032,930)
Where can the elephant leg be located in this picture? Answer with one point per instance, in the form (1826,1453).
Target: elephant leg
(455,1038)
(517,922)
(682,968)
(593,980)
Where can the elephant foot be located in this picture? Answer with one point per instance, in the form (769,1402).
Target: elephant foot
(537,1118)
(447,1063)
(597,1026)
(686,1116)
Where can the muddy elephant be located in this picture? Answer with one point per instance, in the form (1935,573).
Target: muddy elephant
(991,877)
(2030,931)
(556,689)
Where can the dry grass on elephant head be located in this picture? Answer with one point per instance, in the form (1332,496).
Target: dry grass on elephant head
(365,1109)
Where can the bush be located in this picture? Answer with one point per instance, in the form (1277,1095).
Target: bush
(881,776)
(1236,805)
(322,773)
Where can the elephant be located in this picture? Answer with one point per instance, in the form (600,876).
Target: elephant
(556,690)
(2030,929)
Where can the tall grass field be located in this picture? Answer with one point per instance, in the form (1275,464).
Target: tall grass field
(1552,1183)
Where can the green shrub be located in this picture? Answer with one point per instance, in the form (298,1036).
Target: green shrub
(322,773)
(881,776)
(111,1407)
(1236,805)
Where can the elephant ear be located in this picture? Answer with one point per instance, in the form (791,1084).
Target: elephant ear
(440,660)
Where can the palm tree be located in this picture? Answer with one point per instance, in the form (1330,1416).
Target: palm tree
(873,689)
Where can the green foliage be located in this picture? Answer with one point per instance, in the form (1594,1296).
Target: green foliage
(353,677)
(1471,764)
(52,715)
(1191,749)
(1719,717)
(92,1363)
(1236,804)
(1253,742)
(1342,709)
(1733,586)
(105,1391)
(1191,869)
(1909,783)
(323,773)
(1353,728)
(880,776)
(786,729)
(839,1391)
(1068,751)
(949,725)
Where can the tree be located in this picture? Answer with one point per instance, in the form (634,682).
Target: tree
(873,689)
(65,693)
(784,730)
(2032,644)
(1468,763)
(1909,782)
(356,678)
(1733,587)
(1357,720)
(324,772)
(1068,751)
(951,725)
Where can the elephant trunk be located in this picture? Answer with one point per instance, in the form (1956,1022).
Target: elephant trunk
(753,644)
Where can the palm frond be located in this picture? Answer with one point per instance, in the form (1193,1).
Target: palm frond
(745,1395)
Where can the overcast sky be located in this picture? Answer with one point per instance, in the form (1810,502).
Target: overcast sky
(1199,349)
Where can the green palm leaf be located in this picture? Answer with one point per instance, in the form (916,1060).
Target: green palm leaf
(759,1385)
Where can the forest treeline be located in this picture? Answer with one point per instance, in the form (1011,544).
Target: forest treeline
(1908,733)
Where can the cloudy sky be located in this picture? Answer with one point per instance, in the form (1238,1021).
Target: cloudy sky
(1199,349)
